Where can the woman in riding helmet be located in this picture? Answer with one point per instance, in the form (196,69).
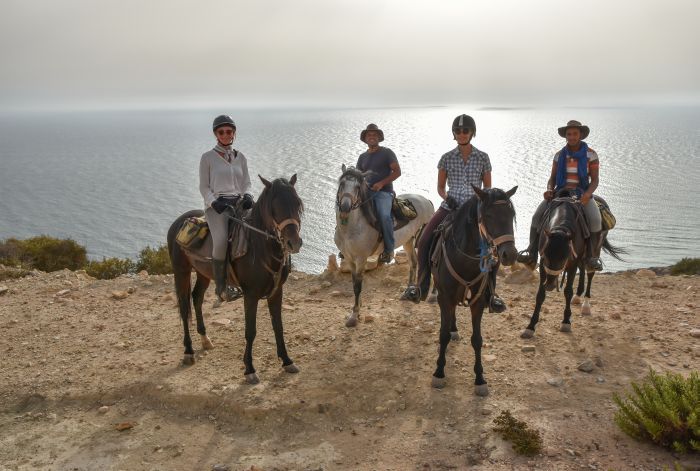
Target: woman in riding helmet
(223,180)
(458,170)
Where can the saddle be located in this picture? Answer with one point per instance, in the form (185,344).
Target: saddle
(195,239)
(564,197)
(402,212)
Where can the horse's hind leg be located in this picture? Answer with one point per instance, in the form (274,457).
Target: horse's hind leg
(447,316)
(529,331)
(274,304)
(200,287)
(410,248)
(182,288)
(480,387)
(568,293)
(581,286)
(586,308)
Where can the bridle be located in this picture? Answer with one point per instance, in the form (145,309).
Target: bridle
(354,201)
(495,242)
(551,272)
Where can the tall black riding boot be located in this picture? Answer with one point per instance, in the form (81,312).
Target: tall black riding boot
(593,262)
(219,267)
(496,304)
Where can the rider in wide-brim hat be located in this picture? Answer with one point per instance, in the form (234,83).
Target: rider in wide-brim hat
(372,127)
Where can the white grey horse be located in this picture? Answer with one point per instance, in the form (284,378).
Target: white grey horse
(356,236)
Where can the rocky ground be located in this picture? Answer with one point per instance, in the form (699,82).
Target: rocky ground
(92,377)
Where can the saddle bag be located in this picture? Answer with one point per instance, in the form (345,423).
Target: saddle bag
(192,233)
(403,209)
(606,216)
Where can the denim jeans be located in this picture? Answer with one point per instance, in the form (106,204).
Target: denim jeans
(382,205)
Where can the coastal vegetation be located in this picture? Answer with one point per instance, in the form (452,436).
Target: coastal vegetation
(46,253)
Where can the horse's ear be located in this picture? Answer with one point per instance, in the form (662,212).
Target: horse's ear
(481,194)
(293,180)
(265,182)
(344,168)
(512,191)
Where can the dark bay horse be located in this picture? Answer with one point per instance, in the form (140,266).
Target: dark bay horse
(563,249)
(272,235)
(480,233)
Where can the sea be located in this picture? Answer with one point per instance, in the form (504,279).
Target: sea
(114,181)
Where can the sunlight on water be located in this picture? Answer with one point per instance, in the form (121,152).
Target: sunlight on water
(114,181)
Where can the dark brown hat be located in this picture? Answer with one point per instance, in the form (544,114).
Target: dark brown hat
(575,124)
(372,127)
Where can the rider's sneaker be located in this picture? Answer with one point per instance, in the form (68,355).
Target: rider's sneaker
(385,257)
(412,293)
(497,305)
(231,293)
(595,264)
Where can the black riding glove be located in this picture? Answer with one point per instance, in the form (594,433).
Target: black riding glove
(247,202)
(223,202)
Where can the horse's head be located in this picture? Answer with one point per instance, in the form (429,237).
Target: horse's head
(279,209)
(556,247)
(496,216)
(352,191)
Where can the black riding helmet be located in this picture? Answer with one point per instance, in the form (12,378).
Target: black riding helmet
(223,120)
(464,121)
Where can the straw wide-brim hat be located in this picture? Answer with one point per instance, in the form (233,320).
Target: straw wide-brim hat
(575,124)
(372,127)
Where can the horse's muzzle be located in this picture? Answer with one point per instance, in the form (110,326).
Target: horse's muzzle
(507,253)
(294,246)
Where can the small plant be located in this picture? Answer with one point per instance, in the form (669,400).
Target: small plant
(686,266)
(109,268)
(525,440)
(155,261)
(663,409)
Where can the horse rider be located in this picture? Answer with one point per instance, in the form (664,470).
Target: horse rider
(459,169)
(223,178)
(384,168)
(576,168)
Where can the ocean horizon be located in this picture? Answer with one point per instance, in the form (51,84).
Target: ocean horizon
(114,180)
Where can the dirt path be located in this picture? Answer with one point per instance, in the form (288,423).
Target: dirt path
(362,399)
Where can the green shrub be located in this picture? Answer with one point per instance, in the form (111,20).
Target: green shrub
(109,268)
(51,254)
(664,409)
(686,266)
(525,440)
(10,273)
(154,261)
(11,253)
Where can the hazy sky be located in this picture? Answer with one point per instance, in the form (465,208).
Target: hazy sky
(354,52)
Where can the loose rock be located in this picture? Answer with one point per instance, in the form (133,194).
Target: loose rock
(119,295)
(587,366)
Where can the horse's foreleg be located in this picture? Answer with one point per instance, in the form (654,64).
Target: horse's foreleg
(454,333)
(447,315)
(581,286)
(182,288)
(251,306)
(358,271)
(568,293)
(200,287)
(586,308)
(529,331)
(274,304)
(480,387)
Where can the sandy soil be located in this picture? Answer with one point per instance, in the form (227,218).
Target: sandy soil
(78,363)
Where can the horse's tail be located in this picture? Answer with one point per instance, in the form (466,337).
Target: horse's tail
(613,250)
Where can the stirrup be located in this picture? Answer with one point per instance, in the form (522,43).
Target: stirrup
(594,264)
(385,257)
(412,293)
(231,293)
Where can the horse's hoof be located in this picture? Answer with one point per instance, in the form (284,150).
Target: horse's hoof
(206,343)
(188,359)
(565,327)
(576,299)
(481,390)
(252,378)
(291,368)
(586,308)
(351,321)
(454,336)
(527,334)
(438,383)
